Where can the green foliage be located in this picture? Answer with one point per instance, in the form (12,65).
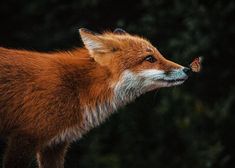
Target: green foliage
(188,126)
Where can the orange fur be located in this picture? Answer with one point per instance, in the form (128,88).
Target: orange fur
(46,98)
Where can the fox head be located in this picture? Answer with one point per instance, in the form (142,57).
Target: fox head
(135,64)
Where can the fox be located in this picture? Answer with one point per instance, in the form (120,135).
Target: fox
(50,99)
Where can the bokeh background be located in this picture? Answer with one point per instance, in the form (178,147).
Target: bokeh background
(192,125)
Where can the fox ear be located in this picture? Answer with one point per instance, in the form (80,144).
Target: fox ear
(119,31)
(92,41)
(97,46)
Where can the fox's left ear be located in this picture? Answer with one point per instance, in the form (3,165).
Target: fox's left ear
(97,45)
(92,41)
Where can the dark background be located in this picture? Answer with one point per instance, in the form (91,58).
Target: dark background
(187,126)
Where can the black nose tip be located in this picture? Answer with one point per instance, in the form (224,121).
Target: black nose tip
(187,70)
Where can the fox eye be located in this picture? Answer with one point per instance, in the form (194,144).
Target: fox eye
(150,58)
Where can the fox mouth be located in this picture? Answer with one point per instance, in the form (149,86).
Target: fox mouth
(174,80)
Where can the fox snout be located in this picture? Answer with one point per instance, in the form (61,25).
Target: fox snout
(177,74)
(161,78)
(187,71)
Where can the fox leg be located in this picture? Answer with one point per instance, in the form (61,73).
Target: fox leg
(19,152)
(52,156)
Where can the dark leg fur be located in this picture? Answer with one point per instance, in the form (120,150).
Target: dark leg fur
(52,156)
(19,152)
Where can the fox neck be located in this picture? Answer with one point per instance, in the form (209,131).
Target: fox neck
(104,98)
(99,94)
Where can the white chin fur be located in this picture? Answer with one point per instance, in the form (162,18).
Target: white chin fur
(169,84)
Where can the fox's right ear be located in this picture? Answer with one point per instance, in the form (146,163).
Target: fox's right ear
(92,41)
(119,31)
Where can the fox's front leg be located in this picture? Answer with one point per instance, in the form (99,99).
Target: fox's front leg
(19,152)
(52,156)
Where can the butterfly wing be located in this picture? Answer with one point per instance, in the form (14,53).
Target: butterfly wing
(196,64)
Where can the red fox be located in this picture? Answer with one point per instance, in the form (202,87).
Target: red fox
(48,100)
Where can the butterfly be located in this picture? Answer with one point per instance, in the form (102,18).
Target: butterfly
(196,64)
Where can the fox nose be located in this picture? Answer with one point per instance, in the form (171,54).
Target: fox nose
(187,71)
